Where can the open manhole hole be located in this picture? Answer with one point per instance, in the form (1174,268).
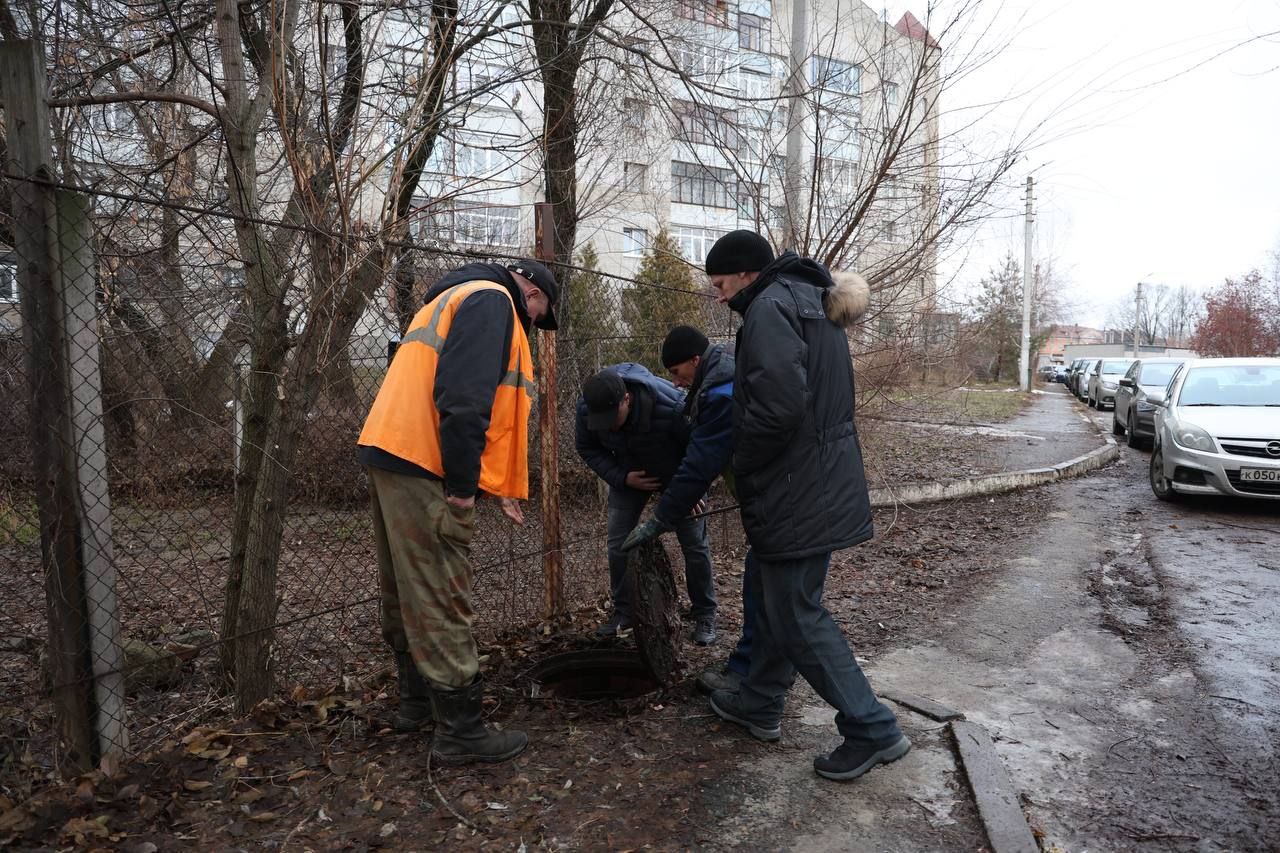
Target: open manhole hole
(592,675)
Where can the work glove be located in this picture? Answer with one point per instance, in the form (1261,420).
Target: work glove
(650,528)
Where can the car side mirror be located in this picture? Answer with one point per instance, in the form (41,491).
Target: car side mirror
(1127,382)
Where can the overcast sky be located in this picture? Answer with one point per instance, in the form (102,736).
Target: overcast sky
(1158,162)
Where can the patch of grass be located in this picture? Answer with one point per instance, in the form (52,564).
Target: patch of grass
(987,403)
(19,522)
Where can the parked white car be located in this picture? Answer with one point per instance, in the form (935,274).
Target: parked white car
(1104,378)
(1217,431)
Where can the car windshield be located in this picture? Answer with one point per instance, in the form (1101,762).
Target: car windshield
(1156,374)
(1241,385)
(1113,367)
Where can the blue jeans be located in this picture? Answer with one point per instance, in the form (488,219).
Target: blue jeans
(793,633)
(625,508)
(740,659)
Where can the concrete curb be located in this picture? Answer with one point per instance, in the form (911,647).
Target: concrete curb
(999,806)
(1006,481)
(998,802)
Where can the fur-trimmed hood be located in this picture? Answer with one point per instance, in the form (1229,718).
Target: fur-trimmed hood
(845,295)
(847,298)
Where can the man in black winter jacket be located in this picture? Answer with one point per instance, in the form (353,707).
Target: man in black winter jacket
(631,431)
(798,472)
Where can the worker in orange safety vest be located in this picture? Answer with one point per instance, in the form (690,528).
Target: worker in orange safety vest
(451,422)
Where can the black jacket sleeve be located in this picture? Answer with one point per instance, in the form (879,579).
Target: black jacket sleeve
(710,447)
(598,457)
(771,369)
(472,363)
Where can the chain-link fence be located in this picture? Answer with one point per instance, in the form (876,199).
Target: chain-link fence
(183,421)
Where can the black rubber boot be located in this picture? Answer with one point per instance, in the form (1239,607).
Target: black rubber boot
(461,734)
(415,696)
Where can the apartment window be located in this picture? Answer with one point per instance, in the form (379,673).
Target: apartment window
(891,231)
(635,177)
(635,113)
(841,141)
(635,242)
(834,75)
(753,32)
(697,59)
(487,226)
(481,226)
(891,96)
(483,157)
(706,11)
(840,176)
(707,186)
(755,86)
(119,118)
(233,279)
(704,125)
(752,198)
(335,61)
(8,283)
(694,243)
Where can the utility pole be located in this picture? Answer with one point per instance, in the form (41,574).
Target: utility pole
(1137,318)
(795,198)
(1024,359)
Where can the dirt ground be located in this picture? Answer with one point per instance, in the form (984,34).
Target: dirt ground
(321,770)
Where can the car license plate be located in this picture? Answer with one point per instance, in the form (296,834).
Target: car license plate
(1260,475)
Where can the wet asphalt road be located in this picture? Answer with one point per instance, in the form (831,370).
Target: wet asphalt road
(1127,662)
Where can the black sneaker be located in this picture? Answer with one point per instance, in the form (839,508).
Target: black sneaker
(728,706)
(617,622)
(704,631)
(851,760)
(721,678)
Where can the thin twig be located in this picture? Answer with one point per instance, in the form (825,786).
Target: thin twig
(440,795)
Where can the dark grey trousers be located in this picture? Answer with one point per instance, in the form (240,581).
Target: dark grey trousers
(626,506)
(795,633)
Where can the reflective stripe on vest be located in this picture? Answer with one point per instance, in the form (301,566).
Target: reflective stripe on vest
(405,423)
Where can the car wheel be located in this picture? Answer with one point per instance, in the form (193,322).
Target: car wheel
(1092,403)
(1160,484)
(1133,440)
(1116,427)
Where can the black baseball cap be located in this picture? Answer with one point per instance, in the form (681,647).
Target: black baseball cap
(546,282)
(603,392)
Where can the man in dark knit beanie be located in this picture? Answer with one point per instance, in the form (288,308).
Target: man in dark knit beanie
(740,251)
(798,470)
(707,372)
(682,344)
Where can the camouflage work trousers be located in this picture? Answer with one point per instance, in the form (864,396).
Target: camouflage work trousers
(424,547)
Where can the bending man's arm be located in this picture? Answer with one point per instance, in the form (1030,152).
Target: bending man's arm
(710,447)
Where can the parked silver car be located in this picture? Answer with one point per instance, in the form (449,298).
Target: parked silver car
(1104,379)
(1218,430)
(1140,391)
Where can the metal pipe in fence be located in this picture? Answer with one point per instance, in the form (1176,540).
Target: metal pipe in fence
(552,563)
(58,294)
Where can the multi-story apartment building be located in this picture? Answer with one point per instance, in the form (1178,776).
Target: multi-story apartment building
(694,131)
(695,124)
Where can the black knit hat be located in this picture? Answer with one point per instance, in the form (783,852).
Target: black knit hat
(739,251)
(682,344)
